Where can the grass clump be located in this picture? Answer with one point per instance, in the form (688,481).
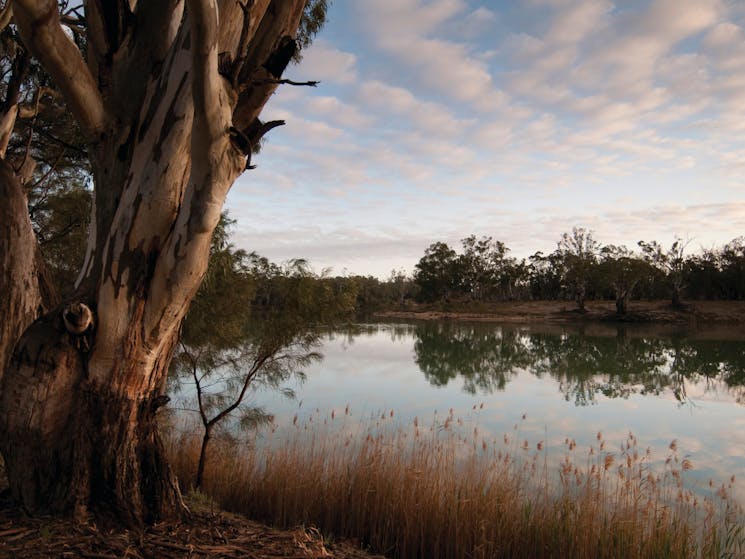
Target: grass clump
(446,491)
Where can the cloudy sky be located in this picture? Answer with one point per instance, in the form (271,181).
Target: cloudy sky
(437,119)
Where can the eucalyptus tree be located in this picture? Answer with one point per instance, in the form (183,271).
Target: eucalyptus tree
(545,275)
(578,251)
(732,264)
(486,271)
(622,270)
(167,96)
(437,272)
(672,262)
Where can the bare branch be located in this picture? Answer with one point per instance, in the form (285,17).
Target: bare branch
(246,141)
(39,26)
(265,58)
(262,81)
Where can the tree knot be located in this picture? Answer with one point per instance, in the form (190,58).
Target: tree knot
(79,322)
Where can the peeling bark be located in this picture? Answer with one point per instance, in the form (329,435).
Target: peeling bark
(26,289)
(78,404)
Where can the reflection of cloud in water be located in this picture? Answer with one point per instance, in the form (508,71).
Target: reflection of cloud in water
(570,385)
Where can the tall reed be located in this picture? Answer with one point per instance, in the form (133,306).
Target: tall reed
(446,491)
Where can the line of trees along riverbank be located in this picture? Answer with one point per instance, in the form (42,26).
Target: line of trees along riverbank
(482,271)
(579,269)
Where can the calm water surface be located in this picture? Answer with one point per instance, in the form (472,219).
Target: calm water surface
(660,384)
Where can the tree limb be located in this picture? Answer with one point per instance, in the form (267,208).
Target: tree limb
(108,24)
(262,81)
(280,20)
(255,368)
(157,28)
(39,25)
(206,80)
(9,106)
(6,15)
(240,58)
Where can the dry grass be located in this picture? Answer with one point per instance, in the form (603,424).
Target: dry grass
(445,491)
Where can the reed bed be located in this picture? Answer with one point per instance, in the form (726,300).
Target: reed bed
(445,491)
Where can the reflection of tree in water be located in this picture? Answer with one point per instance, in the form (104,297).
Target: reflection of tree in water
(487,357)
(710,361)
(614,367)
(348,333)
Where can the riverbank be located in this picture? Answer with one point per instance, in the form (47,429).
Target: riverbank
(208,533)
(662,312)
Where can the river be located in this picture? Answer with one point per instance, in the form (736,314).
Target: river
(540,383)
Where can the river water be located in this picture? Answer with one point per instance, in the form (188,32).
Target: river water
(540,383)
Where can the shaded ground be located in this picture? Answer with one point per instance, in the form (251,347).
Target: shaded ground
(703,312)
(207,533)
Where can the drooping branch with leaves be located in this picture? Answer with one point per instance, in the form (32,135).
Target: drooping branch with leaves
(252,323)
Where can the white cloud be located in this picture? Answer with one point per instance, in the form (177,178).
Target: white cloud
(434,118)
(404,29)
(342,114)
(579,20)
(322,61)
(447,118)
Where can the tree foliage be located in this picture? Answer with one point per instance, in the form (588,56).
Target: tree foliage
(437,273)
(671,262)
(622,270)
(578,251)
(579,269)
(253,323)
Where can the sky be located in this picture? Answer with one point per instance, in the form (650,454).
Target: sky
(438,119)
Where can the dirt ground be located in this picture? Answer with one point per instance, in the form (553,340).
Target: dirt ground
(696,312)
(207,534)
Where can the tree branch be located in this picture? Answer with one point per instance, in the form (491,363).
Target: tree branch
(262,81)
(9,106)
(108,24)
(6,14)
(39,25)
(243,41)
(263,60)
(206,80)
(255,368)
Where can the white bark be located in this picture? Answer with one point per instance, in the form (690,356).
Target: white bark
(157,112)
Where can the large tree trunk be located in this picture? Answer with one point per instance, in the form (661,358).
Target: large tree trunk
(25,289)
(166,117)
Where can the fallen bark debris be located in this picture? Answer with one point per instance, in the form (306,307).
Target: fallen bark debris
(207,534)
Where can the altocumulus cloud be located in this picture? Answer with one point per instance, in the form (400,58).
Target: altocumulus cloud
(436,119)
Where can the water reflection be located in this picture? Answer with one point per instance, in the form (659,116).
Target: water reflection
(485,358)
(612,362)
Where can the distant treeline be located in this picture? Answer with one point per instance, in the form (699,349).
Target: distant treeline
(580,268)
